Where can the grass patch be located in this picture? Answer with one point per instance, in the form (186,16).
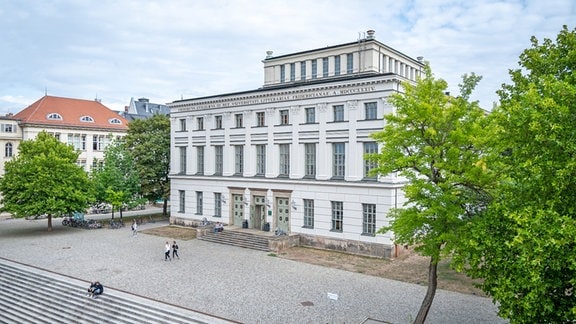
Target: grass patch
(173,232)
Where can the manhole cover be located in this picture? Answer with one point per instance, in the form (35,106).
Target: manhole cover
(307,303)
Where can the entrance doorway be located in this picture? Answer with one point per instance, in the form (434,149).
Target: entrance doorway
(283,214)
(237,209)
(258,216)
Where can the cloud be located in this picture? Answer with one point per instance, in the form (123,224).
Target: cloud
(165,50)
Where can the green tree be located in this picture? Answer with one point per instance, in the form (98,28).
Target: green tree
(45,179)
(117,181)
(149,142)
(433,141)
(524,247)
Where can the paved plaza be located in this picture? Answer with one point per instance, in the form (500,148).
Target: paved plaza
(235,283)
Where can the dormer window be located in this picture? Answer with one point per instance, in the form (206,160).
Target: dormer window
(87,119)
(115,121)
(54,116)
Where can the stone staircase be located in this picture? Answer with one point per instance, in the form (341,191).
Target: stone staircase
(33,295)
(238,238)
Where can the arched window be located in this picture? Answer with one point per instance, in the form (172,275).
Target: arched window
(54,116)
(87,119)
(115,121)
(8,150)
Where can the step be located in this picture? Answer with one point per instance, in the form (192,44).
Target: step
(47,297)
(126,310)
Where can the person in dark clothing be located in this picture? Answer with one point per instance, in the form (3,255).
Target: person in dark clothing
(95,289)
(175,250)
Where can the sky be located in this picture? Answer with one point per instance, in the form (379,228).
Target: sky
(177,49)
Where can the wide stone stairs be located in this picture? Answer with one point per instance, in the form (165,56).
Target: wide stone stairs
(238,238)
(32,295)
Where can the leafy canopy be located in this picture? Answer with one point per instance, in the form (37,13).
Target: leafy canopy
(149,143)
(44,179)
(433,141)
(524,247)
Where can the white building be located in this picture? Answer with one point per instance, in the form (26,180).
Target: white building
(87,125)
(290,155)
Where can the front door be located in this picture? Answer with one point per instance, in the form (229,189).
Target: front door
(238,209)
(283,214)
(258,212)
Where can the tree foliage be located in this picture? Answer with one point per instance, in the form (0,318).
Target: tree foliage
(45,179)
(432,140)
(117,182)
(149,142)
(524,247)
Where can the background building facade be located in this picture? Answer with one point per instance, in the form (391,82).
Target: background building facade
(87,125)
(290,155)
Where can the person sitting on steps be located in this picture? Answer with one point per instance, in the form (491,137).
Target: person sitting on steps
(219,227)
(95,289)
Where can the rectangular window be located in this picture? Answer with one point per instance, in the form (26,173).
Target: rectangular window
(83,142)
(314,69)
(310,160)
(217,204)
(218,122)
(199,202)
(99,142)
(308,213)
(284,117)
(338,113)
(337,65)
(183,124)
(238,159)
(371,110)
(292,71)
(370,148)
(369,219)
(284,159)
(337,215)
(282,73)
(325,67)
(200,123)
(349,63)
(8,128)
(182,159)
(200,160)
(260,119)
(260,160)
(218,159)
(239,120)
(310,115)
(181,201)
(338,160)
(302,71)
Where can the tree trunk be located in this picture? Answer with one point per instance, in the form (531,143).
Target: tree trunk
(120,212)
(430,293)
(165,208)
(49,222)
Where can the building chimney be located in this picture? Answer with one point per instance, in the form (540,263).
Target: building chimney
(370,34)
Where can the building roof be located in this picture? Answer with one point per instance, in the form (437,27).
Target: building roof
(68,112)
(142,109)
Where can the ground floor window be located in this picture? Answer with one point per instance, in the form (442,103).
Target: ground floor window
(308,213)
(337,215)
(181,201)
(368,219)
(199,202)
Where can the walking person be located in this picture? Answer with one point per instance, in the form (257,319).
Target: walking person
(175,251)
(167,249)
(134,228)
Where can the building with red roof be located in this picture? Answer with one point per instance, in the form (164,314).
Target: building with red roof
(87,125)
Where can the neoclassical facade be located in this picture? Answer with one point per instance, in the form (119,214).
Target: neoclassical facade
(290,155)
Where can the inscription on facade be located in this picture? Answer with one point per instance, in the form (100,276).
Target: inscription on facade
(279,98)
